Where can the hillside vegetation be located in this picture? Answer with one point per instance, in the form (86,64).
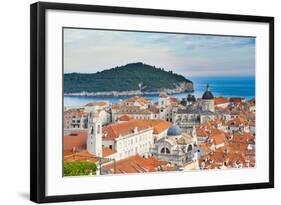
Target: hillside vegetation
(123,78)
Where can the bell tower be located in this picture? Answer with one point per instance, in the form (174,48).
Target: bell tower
(94,141)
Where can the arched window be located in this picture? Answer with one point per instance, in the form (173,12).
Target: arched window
(167,151)
(189,148)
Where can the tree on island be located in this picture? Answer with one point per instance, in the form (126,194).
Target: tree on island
(190,98)
(79,168)
(183,102)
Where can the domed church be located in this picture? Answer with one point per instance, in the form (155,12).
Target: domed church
(202,110)
(208,100)
(177,148)
(174,130)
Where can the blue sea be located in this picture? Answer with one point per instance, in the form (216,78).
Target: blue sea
(220,86)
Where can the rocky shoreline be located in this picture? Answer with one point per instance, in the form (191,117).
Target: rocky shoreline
(184,87)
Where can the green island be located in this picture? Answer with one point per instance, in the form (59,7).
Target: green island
(132,78)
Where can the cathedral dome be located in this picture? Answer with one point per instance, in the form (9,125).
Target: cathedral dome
(174,130)
(208,95)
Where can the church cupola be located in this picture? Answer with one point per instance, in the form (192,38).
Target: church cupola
(208,95)
(208,100)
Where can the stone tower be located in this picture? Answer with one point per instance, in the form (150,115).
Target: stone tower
(94,141)
(163,103)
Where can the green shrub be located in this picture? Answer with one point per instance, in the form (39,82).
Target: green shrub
(79,168)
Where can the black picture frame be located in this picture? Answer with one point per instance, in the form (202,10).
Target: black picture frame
(38,100)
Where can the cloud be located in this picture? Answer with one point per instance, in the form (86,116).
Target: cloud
(90,51)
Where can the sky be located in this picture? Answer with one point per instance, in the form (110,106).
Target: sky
(90,51)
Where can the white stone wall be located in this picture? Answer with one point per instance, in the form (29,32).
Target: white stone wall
(136,143)
(134,116)
(160,135)
(208,105)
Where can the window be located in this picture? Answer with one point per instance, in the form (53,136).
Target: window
(99,129)
(167,151)
(110,146)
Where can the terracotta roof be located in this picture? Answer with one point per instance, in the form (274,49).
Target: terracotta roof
(218,138)
(221,100)
(116,107)
(75,112)
(138,99)
(125,118)
(206,125)
(81,156)
(201,132)
(97,103)
(135,164)
(113,131)
(236,99)
(67,152)
(243,138)
(85,155)
(206,147)
(107,151)
(237,121)
(158,125)
(75,140)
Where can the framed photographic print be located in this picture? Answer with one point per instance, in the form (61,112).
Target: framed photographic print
(129,102)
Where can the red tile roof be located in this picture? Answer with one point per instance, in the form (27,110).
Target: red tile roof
(221,100)
(81,156)
(107,151)
(76,140)
(113,131)
(236,99)
(97,103)
(125,118)
(218,138)
(75,112)
(138,99)
(135,164)
(201,132)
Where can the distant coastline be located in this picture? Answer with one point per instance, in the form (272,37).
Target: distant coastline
(233,86)
(178,90)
